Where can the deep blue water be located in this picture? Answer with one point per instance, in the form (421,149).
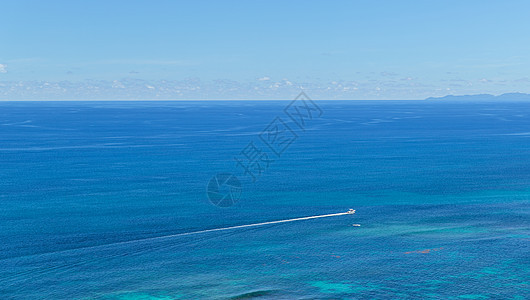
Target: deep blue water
(442,193)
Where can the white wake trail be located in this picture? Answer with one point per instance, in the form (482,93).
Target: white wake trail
(350,212)
(252,225)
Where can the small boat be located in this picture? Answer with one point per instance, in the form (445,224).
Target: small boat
(351,211)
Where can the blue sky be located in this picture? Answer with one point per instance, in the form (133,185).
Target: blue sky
(265,49)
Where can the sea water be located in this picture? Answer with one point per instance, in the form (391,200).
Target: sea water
(441,191)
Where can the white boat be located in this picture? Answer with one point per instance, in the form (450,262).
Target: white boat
(351,211)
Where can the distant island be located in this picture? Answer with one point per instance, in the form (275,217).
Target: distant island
(487,97)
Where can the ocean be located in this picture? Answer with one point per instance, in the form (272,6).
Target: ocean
(98,197)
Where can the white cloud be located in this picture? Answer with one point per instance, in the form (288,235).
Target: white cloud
(3,68)
(264,78)
(388,74)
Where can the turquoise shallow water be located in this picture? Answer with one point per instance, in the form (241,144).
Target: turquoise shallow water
(441,192)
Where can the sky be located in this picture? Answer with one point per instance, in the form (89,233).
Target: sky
(356,49)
